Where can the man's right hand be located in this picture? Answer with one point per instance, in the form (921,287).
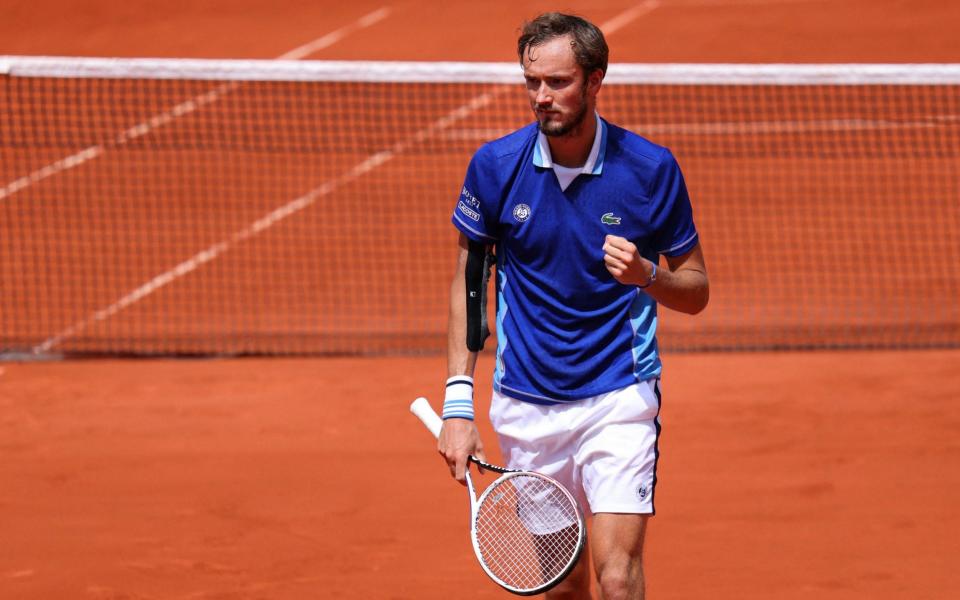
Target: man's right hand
(459,439)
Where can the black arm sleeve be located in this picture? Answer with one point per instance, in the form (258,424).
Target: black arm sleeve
(477,274)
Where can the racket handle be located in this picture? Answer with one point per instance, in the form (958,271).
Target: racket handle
(421,408)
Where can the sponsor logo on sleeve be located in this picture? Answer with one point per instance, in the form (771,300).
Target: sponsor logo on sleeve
(468,198)
(468,211)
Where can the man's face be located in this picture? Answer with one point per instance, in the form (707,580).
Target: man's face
(560,95)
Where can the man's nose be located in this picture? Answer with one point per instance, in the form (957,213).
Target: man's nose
(544,98)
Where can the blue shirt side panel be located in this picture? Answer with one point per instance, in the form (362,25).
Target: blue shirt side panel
(502,341)
(643,321)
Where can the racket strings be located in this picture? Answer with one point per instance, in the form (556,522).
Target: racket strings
(527,531)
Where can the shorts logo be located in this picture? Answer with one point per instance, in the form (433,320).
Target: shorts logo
(642,491)
(609,219)
(467,211)
(521,212)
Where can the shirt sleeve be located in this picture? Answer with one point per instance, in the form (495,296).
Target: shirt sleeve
(476,211)
(674,232)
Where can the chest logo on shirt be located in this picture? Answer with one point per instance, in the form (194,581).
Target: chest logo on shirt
(521,212)
(609,219)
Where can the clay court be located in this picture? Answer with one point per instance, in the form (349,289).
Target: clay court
(831,473)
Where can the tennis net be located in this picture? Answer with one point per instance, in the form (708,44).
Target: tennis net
(194,207)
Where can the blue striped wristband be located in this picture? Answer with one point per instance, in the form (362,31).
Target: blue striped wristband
(458,402)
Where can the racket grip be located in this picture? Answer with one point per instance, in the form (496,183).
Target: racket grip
(421,408)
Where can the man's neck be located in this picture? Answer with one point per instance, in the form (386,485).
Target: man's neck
(573,149)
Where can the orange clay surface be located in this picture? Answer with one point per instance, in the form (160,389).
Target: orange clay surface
(788,476)
(661,31)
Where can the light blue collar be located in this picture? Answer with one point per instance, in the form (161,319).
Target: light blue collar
(594,164)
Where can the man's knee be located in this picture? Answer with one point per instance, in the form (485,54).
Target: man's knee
(621,582)
(618,554)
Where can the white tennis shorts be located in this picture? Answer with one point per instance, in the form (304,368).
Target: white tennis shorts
(603,449)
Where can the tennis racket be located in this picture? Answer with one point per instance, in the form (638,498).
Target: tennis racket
(527,530)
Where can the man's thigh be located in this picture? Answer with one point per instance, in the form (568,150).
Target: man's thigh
(617,544)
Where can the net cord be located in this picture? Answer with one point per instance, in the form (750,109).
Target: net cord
(473,72)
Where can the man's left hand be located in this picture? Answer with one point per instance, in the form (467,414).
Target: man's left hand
(624,262)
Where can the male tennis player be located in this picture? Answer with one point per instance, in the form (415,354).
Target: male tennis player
(579,212)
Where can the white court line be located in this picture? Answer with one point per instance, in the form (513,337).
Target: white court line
(335,36)
(275,216)
(50,170)
(628,16)
(184,108)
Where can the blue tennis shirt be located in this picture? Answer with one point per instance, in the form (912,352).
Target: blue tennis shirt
(566,329)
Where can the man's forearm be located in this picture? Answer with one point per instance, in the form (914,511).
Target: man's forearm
(684,290)
(460,360)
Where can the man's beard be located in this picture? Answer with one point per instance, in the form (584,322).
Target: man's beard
(561,129)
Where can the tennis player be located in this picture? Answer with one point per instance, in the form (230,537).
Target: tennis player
(579,212)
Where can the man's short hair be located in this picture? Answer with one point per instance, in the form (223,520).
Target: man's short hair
(589,47)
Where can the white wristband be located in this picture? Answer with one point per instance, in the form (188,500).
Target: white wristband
(458,402)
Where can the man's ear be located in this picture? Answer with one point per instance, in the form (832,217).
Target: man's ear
(595,80)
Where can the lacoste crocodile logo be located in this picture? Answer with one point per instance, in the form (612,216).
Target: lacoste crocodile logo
(609,219)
